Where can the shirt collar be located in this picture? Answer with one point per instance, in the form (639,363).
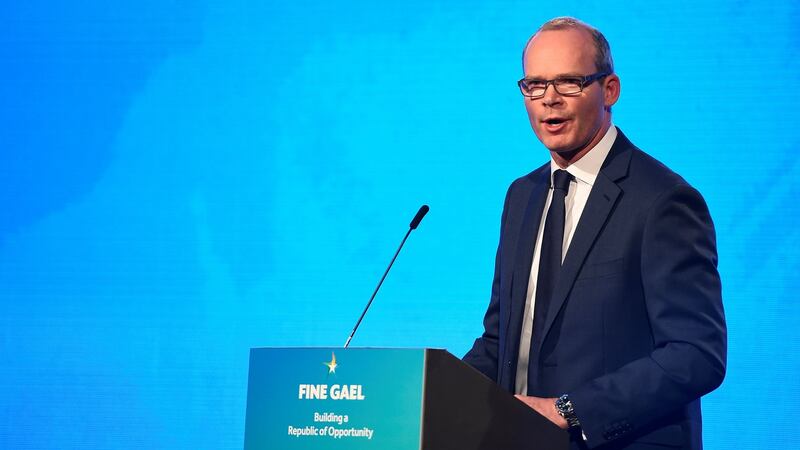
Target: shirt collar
(587,168)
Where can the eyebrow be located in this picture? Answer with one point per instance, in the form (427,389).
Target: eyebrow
(561,75)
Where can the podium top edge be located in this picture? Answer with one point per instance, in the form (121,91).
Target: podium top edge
(349,348)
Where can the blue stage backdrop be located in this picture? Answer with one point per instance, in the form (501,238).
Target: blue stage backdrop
(181,181)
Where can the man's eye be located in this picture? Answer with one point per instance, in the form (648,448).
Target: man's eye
(536,84)
(568,82)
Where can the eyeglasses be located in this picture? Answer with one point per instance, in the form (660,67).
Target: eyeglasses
(535,88)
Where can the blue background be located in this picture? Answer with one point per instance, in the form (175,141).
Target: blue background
(181,181)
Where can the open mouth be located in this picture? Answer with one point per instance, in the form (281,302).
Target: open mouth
(554,124)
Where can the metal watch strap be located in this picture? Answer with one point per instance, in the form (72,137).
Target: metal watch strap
(567,411)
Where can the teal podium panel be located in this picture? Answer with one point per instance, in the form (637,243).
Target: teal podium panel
(311,398)
(383,399)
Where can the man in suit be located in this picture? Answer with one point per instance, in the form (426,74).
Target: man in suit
(606,312)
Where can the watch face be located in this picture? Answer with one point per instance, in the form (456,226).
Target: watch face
(564,406)
(566,410)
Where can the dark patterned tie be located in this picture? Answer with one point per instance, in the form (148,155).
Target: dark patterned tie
(549,266)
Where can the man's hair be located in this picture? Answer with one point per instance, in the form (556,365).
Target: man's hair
(602,57)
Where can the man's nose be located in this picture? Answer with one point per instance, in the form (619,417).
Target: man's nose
(551,96)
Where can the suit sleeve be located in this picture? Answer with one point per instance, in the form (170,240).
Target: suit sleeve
(682,293)
(483,355)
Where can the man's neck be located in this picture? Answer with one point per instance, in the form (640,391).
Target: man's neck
(566,159)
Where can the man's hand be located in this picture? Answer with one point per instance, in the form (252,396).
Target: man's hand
(545,407)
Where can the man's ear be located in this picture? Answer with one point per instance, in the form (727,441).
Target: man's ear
(611,90)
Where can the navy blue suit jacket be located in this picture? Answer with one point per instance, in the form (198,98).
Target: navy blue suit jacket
(636,332)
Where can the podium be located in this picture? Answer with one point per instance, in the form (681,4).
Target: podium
(387,399)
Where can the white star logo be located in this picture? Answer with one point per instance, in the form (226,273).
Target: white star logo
(331,364)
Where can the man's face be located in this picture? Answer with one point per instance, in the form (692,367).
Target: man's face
(568,125)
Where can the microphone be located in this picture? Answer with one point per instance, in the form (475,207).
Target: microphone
(412,226)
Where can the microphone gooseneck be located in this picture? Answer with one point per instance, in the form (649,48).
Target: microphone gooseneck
(411,227)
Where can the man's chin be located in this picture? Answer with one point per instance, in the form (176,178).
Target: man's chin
(560,148)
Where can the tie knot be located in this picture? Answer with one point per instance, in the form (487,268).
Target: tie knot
(561,179)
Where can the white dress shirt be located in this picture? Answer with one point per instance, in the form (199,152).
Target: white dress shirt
(585,172)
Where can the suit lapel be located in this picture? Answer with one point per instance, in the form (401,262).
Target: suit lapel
(524,256)
(599,205)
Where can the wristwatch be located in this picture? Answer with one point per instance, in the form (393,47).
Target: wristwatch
(567,411)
